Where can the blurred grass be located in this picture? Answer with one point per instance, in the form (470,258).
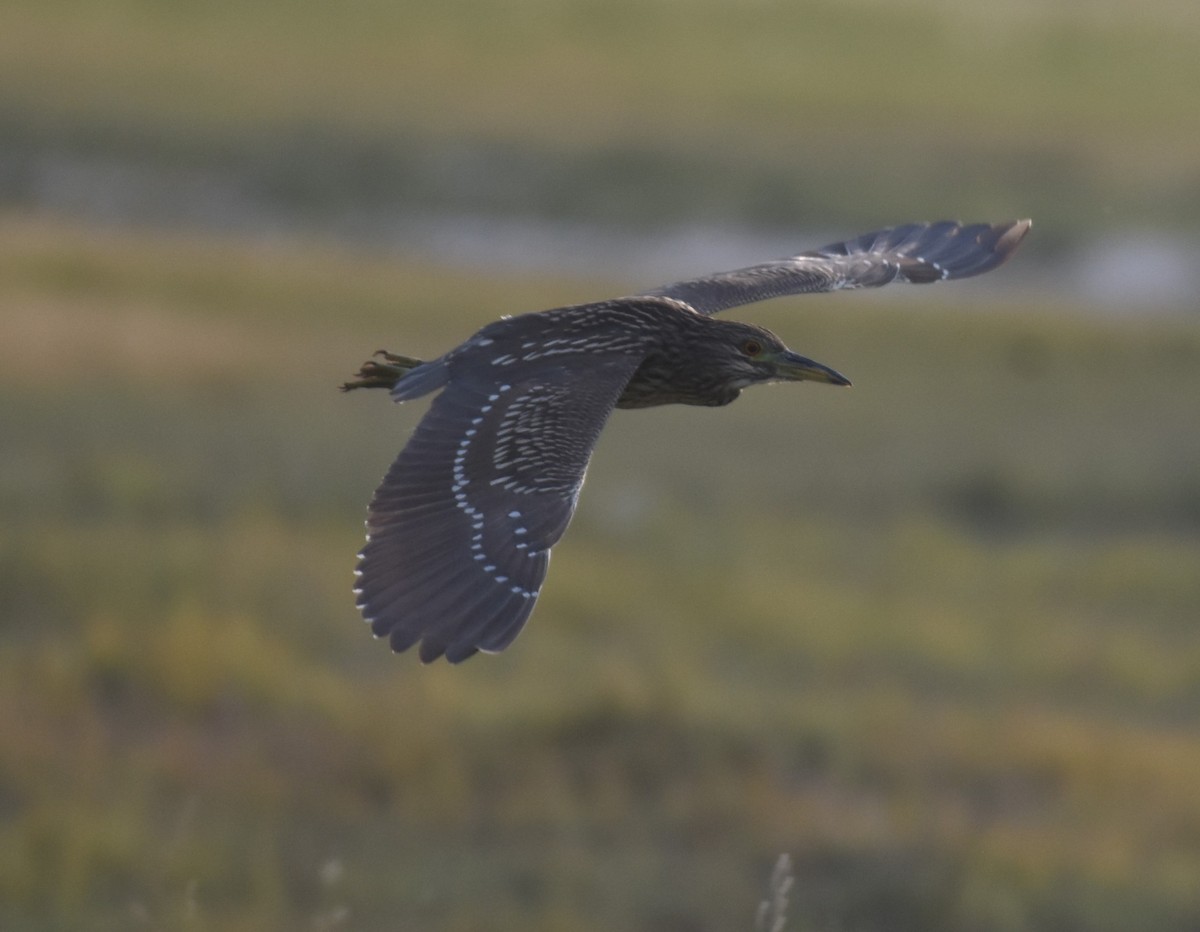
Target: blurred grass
(838,113)
(935,636)
(475,65)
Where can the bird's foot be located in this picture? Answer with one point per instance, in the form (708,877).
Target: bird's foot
(374,374)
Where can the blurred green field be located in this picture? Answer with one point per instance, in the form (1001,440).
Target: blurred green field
(935,636)
(825,112)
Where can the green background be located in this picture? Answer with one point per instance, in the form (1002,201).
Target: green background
(935,636)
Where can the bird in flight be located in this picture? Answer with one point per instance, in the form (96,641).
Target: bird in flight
(459,532)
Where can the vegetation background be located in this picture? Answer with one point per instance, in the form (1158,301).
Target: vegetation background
(936,636)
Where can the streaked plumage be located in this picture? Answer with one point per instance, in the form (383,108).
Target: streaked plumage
(460,530)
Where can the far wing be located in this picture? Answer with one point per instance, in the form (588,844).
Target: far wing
(918,253)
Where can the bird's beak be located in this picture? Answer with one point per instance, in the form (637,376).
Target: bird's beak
(792,367)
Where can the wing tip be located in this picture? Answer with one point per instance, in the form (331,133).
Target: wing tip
(1013,232)
(949,249)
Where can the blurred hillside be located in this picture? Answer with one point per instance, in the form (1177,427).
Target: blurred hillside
(935,636)
(432,126)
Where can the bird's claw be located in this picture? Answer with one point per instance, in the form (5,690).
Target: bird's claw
(407,362)
(372,374)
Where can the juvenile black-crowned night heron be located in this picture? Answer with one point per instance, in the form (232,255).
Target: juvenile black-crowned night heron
(459,532)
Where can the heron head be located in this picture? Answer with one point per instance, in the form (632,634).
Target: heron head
(753,354)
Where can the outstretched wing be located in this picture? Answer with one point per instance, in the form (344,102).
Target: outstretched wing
(917,252)
(460,530)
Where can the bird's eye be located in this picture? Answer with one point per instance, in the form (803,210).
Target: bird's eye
(752,347)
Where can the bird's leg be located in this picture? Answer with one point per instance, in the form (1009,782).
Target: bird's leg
(374,374)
